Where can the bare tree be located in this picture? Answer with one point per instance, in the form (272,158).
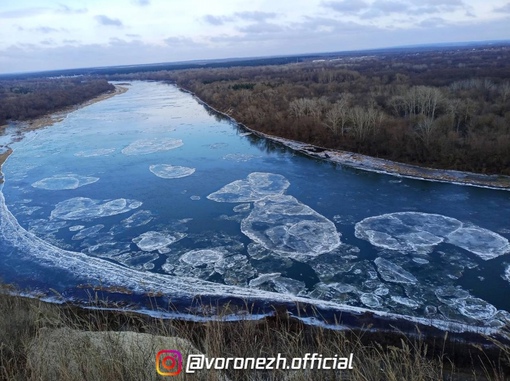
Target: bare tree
(364,121)
(336,117)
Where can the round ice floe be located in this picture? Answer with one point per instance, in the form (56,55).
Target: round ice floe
(82,208)
(278,283)
(151,240)
(407,231)
(143,147)
(476,308)
(167,171)
(197,258)
(257,186)
(239,157)
(95,152)
(370,300)
(413,231)
(482,242)
(61,182)
(284,225)
(392,272)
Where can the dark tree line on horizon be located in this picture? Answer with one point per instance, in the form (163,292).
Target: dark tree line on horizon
(26,99)
(444,109)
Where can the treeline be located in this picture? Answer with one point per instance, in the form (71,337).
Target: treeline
(26,99)
(445,108)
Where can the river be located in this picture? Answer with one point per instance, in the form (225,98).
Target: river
(151,193)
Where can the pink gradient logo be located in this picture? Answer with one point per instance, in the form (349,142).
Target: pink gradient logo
(169,362)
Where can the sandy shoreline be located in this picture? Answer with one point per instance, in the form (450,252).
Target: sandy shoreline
(52,118)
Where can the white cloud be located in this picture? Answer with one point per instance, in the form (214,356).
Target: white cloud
(63,34)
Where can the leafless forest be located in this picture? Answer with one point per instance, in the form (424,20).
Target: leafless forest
(447,108)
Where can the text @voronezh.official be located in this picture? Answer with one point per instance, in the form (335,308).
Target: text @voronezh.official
(170,363)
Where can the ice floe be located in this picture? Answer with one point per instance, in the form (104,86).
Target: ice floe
(482,242)
(197,258)
(95,152)
(420,232)
(257,186)
(82,208)
(371,300)
(147,146)
(392,272)
(152,240)
(87,232)
(285,226)
(276,282)
(507,274)
(167,171)
(62,182)
(239,157)
(138,218)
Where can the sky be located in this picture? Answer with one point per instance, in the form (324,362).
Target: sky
(38,35)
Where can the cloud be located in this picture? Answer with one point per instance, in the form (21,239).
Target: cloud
(504,9)
(216,20)
(141,3)
(23,13)
(64,9)
(256,15)
(45,29)
(107,21)
(346,6)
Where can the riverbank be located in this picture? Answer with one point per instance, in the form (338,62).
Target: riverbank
(373,164)
(47,341)
(50,119)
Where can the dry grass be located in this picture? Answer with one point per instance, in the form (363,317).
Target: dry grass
(41,341)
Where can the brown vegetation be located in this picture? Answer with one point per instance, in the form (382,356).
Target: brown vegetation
(443,109)
(27,99)
(42,341)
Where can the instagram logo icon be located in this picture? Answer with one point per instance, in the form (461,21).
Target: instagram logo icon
(169,362)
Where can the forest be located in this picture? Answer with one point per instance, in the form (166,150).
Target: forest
(31,98)
(445,108)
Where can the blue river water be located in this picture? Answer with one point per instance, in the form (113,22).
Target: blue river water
(151,192)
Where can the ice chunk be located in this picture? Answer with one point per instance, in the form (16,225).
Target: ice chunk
(507,274)
(419,232)
(482,242)
(242,208)
(239,157)
(285,226)
(370,300)
(67,181)
(138,218)
(95,152)
(447,294)
(197,258)
(406,231)
(257,186)
(392,272)
(195,198)
(87,232)
(82,208)
(276,282)
(236,269)
(411,303)
(143,147)
(152,240)
(167,171)
(75,228)
(476,308)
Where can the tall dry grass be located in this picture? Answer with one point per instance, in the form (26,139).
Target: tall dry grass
(41,341)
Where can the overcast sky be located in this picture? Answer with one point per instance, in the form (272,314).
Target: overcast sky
(41,35)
